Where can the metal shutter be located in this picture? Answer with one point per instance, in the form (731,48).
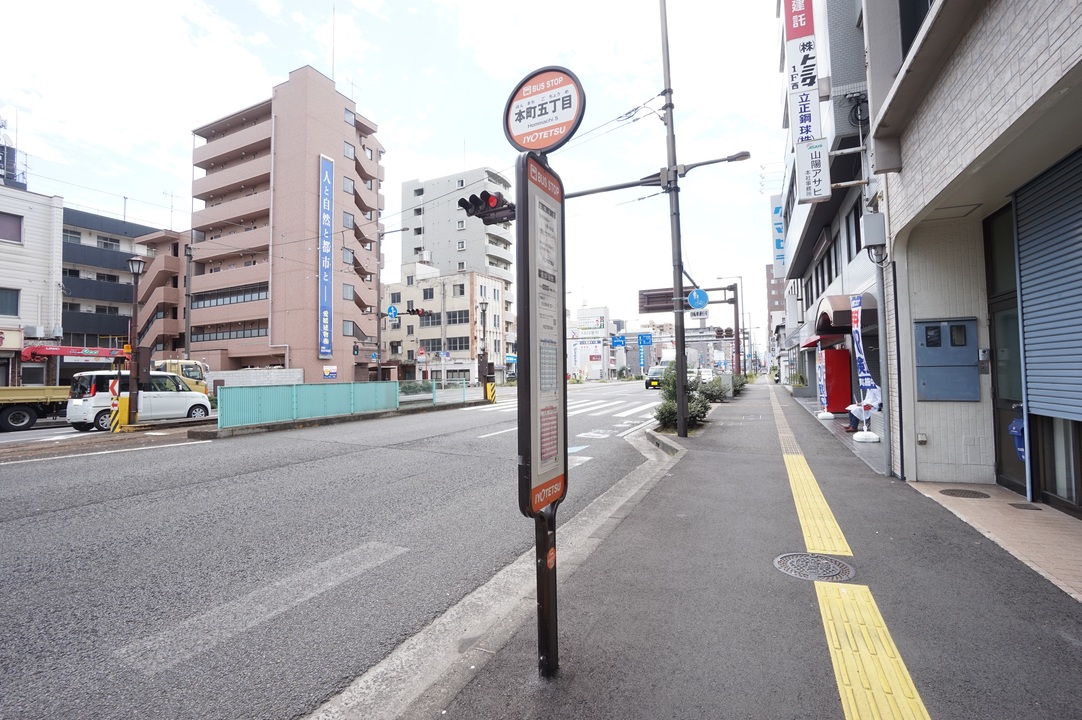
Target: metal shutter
(1048,213)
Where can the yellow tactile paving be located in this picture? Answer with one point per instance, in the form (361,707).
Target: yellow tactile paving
(822,534)
(873,682)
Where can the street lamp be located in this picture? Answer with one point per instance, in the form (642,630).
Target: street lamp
(482,357)
(136,266)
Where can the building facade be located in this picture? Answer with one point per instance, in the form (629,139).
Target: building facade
(285,250)
(973,171)
(31,287)
(438,233)
(461,318)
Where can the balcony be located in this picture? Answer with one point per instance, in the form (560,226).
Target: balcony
(231,147)
(236,313)
(95,257)
(96,324)
(367,200)
(88,289)
(231,214)
(233,241)
(161,296)
(367,169)
(163,330)
(244,173)
(230,277)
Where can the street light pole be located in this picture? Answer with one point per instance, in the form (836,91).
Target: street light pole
(379,303)
(482,357)
(136,266)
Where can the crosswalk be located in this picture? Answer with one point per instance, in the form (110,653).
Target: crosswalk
(593,408)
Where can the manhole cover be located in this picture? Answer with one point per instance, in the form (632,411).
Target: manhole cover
(971,494)
(809,566)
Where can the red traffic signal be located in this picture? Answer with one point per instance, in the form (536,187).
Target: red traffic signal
(491,207)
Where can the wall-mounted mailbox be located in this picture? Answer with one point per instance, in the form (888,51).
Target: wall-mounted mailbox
(947,360)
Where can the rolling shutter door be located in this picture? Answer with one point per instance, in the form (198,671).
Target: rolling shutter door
(1049,222)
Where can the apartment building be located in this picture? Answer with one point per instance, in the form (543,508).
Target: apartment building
(31,288)
(285,250)
(462,317)
(438,233)
(973,174)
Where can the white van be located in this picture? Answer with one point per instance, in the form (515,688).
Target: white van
(165,397)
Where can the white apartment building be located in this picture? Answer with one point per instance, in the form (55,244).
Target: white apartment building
(439,234)
(462,317)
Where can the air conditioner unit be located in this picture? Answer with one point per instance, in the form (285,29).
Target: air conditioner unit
(58,331)
(34,331)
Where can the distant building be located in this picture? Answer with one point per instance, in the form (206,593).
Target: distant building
(285,250)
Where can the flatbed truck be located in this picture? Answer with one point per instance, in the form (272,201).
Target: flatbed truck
(21,407)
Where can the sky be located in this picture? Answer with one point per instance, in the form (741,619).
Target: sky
(103,97)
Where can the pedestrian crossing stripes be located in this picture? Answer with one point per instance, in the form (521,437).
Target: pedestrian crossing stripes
(593,408)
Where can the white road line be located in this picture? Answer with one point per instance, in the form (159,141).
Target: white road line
(606,412)
(585,407)
(498,432)
(200,633)
(104,452)
(640,426)
(639,409)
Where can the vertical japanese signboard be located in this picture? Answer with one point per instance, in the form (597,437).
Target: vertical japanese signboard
(802,80)
(542,358)
(777,235)
(326,244)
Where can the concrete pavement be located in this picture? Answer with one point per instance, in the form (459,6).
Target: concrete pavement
(892,605)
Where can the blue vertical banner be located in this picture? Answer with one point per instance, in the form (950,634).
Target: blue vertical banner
(326,244)
(864,378)
(821,375)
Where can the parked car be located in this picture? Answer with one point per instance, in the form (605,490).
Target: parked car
(653,377)
(165,397)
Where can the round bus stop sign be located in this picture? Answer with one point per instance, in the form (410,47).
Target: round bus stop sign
(544,110)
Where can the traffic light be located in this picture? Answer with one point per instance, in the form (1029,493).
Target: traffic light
(728,333)
(719,333)
(419,312)
(492,208)
(356,349)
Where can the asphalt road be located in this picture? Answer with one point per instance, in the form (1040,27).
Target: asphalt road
(155,577)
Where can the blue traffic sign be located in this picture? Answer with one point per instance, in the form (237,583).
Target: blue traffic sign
(646,339)
(392,311)
(698,298)
(619,341)
(375,356)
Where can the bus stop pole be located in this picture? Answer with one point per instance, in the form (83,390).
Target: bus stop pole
(548,648)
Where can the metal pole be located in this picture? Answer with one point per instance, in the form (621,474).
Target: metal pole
(133,364)
(548,648)
(672,188)
(188,300)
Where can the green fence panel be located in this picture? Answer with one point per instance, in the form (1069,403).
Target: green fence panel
(255,405)
(262,404)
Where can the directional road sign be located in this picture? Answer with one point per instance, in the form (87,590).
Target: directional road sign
(698,298)
(392,311)
(619,341)
(646,339)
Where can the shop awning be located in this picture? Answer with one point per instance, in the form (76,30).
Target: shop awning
(825,339)
(834,314)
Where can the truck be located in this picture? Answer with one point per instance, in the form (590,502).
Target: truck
(192,372)
(21,407)
(668,355)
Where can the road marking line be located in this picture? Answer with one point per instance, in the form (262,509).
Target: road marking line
(639,409)
(638,427)
(608,405)
(104,452)
(873,681)
(595,405)
(498,432)
(198,634)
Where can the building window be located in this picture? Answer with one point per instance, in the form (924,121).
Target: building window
(431,320)
(461,243)
(396,323)
(73,236)
(70,272)
(428,293)
(351,118)
(458,343)
(396,297)
(461,183)
(347,220)
(462,266)
(348,328)
(347,291)
(108,277)
(418,211)
(72,307)
(9,301)
(368,153)
(106,310)
(347,185)
(458,290)
(458,317)
(461,225)
(396,348)
(11,227)
(409,280)
(419,231)
(230,296)
(108,243)
(347,256)
(350,151)
(432,345)
(409,354)
(409,305)
(409,329)
(418,192)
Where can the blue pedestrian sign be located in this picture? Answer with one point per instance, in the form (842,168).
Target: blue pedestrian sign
(619,341)
(646,339)
(698,298)
(392,311)
(375,357)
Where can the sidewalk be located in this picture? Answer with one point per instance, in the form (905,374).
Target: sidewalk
(681,611)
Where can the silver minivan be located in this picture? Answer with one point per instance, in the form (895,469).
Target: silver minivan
(165,397)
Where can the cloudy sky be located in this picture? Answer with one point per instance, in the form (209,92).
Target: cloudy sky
(102,97)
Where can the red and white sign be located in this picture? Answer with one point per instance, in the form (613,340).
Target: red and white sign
(802,80)
(544,110)
(421,355)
